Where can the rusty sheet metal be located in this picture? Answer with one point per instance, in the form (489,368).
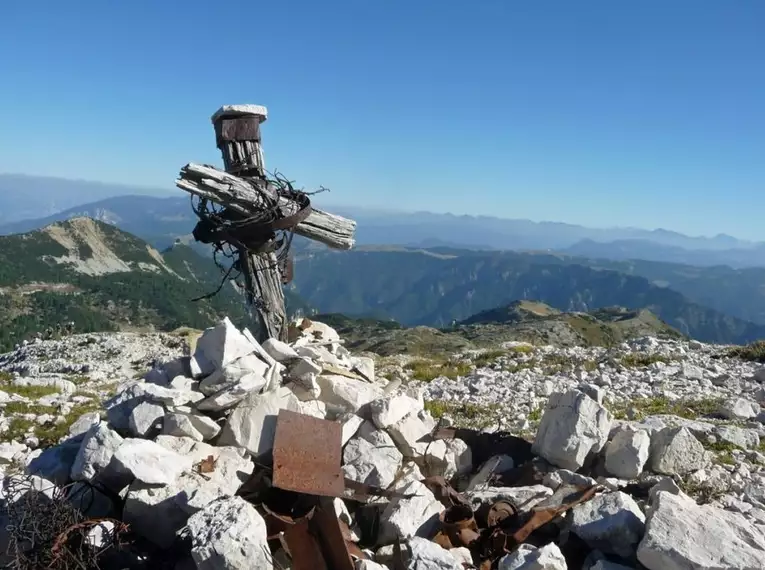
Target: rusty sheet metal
(304,547)
(564,499)
(326,526)
(443,492)
(308,454)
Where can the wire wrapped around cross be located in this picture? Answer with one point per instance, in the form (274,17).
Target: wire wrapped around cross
(268,231)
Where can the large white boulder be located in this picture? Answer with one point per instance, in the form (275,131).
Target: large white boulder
(342,394)
(231,394)
(232,373)
(145,419)
(96,451)
(252,424)
(739,409)
(149,462)
(371,457)
(681,535)
(573,426)
(389,410)
(229,534)
(676,451)
(412,433)
(159,512)
(408,517)
(610,522)
(221,345)
(627,453)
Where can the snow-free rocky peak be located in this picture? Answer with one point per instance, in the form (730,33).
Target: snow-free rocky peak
(670,431)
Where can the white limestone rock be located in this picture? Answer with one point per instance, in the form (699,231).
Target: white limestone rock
(232,374)
(573,426)
(221,345)
(149,462)
(675,451)
(158,513)
(610,522)
(82,424)
(96,451)
(391,409)
(350,426)
(179,425)
(232,394)
(425,554)
(229,534)
(145,419)
(411,433)
(10,450)
(627,453)
(743,438)
(408,517)
(371,457)
(252,424)
(365,366)
(528,557)
(681,535)
(279,351)
(343,394)
(120,407)
(739,409)
(446,458)
(303,373)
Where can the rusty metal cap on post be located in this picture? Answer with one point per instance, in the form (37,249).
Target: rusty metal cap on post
(231,111)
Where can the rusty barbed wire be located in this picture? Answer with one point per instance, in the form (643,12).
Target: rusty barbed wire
(47,530)
(229,235)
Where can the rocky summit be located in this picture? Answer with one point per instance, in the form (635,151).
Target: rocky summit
(128,450)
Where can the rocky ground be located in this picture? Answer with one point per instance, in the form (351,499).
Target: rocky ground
(667,434)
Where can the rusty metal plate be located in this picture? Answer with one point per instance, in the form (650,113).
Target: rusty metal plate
(308,455)
(238,129)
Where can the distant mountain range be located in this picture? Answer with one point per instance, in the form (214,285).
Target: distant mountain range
(33,202)
(37,197)
(436,278)
(99,276)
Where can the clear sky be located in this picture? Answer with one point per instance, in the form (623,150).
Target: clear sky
(603,113)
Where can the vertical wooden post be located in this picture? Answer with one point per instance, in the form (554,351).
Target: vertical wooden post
(237,133)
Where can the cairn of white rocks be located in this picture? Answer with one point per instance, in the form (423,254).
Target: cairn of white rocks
(220,403)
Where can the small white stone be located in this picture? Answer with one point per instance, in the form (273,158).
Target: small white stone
(528,557)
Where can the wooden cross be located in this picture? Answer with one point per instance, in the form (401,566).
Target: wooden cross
(253,211)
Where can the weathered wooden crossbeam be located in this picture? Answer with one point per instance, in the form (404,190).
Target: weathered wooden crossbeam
(251,196)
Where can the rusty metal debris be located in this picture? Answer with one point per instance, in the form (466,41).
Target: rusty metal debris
(307,455)
(297,497)
(502,527)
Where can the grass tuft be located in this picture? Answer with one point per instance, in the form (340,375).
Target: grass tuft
(464,414)
(754,352)
(661,405)
(428,370)
(641,359)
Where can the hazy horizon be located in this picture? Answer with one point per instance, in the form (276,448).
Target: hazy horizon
(329,205)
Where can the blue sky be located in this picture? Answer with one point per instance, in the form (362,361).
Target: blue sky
(602,113)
